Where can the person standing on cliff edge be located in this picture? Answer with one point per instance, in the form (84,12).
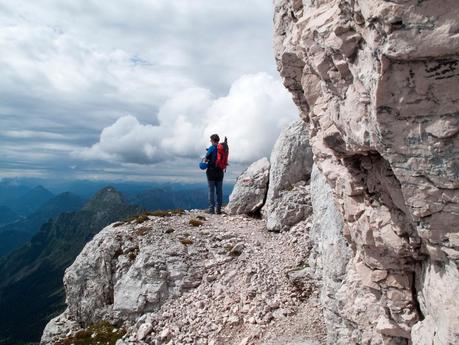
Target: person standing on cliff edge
(217,160)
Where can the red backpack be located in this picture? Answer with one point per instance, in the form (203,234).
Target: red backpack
(222,155)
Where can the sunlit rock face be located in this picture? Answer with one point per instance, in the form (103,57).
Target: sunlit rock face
(249,193)
(287,200)
(377,81)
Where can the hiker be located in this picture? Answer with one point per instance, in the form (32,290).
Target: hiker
(217,160)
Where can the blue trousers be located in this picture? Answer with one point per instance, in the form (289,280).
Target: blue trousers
(215,187)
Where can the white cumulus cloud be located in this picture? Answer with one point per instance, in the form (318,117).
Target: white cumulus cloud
(256,108)
(124,83)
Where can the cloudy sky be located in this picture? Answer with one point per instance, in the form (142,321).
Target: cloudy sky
(132,90)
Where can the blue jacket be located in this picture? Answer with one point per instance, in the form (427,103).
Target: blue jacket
(213,172)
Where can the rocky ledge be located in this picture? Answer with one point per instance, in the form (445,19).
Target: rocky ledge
(193,279)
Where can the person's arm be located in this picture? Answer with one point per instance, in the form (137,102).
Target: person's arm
(210,150)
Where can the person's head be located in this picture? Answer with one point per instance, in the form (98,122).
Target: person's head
(214,138)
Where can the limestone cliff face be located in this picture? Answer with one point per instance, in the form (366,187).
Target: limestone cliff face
(377,81)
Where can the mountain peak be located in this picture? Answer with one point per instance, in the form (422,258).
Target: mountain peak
(40,188)
(106,197)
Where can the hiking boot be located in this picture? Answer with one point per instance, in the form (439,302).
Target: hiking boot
(219,211)
(210,211)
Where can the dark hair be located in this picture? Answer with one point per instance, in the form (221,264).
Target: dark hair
(215,137)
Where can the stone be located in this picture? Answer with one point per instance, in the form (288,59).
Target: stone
(291,207)
(390,328)
(291,164)
(378,275)
(165,334)
(249,193)
(57,326)
(144,330)
(365,274)
(437,295)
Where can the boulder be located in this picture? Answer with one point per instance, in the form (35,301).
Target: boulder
(290,207)
(250,190)
(287,201)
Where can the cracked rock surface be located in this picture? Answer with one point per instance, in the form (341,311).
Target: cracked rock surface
(287,200)
(228,281)
(377,83)
(249,192)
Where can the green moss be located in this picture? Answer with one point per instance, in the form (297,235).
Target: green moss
(142,217)
(130,219)
(104,333)
(138,218)
(167,213)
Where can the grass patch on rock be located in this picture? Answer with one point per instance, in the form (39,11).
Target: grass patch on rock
(167,213)
(196,222)
(186,241)
(142,217)
(97,334)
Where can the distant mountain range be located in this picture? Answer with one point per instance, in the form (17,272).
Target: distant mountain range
(31,288)
(17,203)
(11,188)
(169,198)
(30,201)
(39,205)
(17,233)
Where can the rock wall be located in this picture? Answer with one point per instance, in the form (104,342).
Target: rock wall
(328,242)
(377,81)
